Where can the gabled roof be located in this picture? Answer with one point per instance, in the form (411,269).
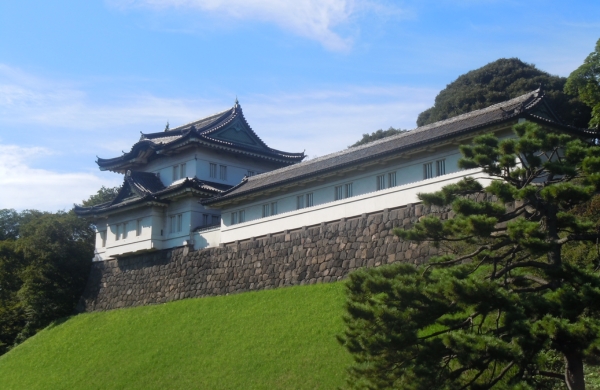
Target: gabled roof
(226,130)
(531,105)
(145,188)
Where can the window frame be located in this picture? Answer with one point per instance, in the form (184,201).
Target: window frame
(309,199)
(212,170)
(300,202)
(175,223)
(440,167)
(348,190)
(182,170)
(223,172)
(339,192)
(428,170)
(392,179)
(380,182)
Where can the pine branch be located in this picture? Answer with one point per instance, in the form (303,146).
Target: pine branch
(528,277)
(501,374)
(467,321)
(523,264)
(550,374)
(592,237)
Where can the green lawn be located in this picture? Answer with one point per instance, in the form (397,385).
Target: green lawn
(275,339)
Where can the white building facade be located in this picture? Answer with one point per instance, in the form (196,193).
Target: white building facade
(253,197)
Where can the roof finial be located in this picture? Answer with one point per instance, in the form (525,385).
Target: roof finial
(237,103)
(167,126)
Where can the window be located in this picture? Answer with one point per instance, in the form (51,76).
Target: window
(205,219)
(223,172)
(125,230)
(269,209)
(380,182)
(309,199)
(440,167)
(179,172)
(339,194)
(138,228)
(213,170)
(348,190)
(103,238)
(427,171)
(299,202)
(175,223)
(117,232)
(251,173)
(238,217)
(343,191)
(211,220)
(391,179)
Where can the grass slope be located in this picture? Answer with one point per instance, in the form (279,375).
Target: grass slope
(275,339)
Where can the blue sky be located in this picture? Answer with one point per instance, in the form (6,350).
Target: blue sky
(83,78)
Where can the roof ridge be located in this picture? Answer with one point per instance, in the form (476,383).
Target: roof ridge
(189,124)
(471,114)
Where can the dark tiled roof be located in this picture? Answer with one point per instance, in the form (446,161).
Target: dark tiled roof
(143,187)
(144,182)
(518,107)
(205,132)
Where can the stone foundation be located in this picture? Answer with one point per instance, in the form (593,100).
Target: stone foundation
(314,254)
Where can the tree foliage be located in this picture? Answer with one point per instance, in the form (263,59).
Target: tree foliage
(505,304)
(45,261)
(585,83)
(374,136)
(42,273)
(499,81)
(104,194)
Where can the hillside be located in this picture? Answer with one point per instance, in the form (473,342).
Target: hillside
(275,339)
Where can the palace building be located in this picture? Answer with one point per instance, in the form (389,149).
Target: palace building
(214,181)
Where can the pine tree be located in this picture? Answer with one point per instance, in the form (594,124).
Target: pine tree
(502,306)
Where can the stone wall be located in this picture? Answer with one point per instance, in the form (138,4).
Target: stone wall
(313,254)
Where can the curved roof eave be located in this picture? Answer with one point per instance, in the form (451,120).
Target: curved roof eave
(186,133)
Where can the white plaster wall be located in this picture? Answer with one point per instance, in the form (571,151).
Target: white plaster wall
(151,220)
(366,203)
(364,182)
(208,238)
(197,164)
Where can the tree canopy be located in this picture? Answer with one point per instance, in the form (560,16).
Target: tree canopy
(506,304)
(104,194)
(45,261)
(585,83)
(499,81)
(374,136)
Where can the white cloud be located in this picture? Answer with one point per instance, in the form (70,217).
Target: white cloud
(24,187)
(313,19)
(318,120)
(327,121)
